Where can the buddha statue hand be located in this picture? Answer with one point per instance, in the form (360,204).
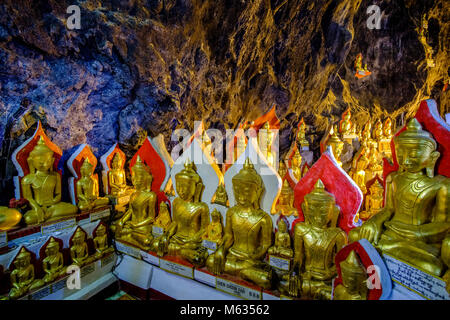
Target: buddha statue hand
(219,261)
(370,230)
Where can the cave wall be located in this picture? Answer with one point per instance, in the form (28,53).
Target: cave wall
(141,67)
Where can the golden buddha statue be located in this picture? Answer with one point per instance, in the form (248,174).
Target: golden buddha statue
(9,218)
(345,125)
(23,277)
(285,205)
(87,189)
(135,227)
(248,232)
(336,144)
(296,165)
(445,256)
(214,231)
(359,171)
(53,263)
(354,280)
(117,178)
(366,135)
(221,197)
(374,201)
(79,252)
(415,218)
(282,169)
(378,131)
(101,242)
(163,219)
(384,145)
(42,188)
(301,135)
(374,166)
(282,246)
(315,242)
(190,219)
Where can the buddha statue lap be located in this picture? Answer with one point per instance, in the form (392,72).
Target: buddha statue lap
(190,219)
(23,276)
(53,263)
(42,188)
(354,280)
(248,233)
(415,219)
(87,189)
(135,226)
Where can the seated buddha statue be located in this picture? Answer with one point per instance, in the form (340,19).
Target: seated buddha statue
(214,231)
(345,125)
(163,219)
(9,218)
(135,227)
(378,131)
(359,171)
(316,240)
(296,165)
(374,166)
(117,178)
(79,252)
(384,145)
(101,242)
(248,233)
(415,218)
(282,246)
(221,196)
(190,219)
(374,201)
(301,136)
(23,277)
(285,205)
(42,188)
(354,280)
(87,189)
(53,263)
(366,135)
(336,144)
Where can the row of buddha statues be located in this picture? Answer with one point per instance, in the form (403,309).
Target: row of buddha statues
(410,221)
(23,277)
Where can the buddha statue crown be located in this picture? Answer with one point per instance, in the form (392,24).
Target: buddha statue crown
(101,226)
(189,172)
(87,165)
(79,234)
(414,134)
(140,166)
(352,265)
(40,148)
(249,174)
(319,193)
(52,243)
(23,253)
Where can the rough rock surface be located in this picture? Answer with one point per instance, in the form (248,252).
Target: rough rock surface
(139,67)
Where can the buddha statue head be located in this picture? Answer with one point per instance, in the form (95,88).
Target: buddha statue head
(319,207)
(188,183)
(87,168)
(52,247)
(282,226)
(23,259)
(116,162)
(286,195)
(41,157)
(416,149)
(141,175)
(353,274)
(248,186)
(336,143)
(296,159)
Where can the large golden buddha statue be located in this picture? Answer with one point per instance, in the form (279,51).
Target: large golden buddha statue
(135,227)
(42,188)
(87,189)
(190,219)
(117,178)
(9,218)
(415,218)
(316,241)
(248,232)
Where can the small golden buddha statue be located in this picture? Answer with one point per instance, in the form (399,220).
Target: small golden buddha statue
(374,201)
(384,144)
(315,242)
(374,166)
(9,218)
(354,280)
(301,135)
(135,227)
(42,188)
(79,250)
(101,242)
(366,135)
(221,196)
(163,219)
(23,277)
(415,218)
(345,125)
(378,131)
(248,232)
(387,129)
(359,171)
(296,165)
(87,189)
(282,246)
(117,178)
(214,231)
(336,144)
(285,205)
(282,169)
(53,263)
(190,219)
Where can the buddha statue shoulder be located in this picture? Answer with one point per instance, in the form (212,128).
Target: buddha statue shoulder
(135,226)
(117,177)
(316,240)
(248,233)
(354,280)
(42,188)
(415,219)
(53,263)
(23,276)
(87,189)
(190,219)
